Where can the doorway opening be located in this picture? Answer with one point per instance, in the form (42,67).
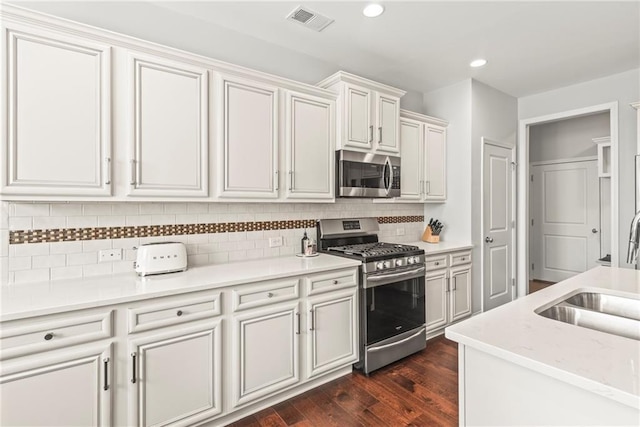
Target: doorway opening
(567,199)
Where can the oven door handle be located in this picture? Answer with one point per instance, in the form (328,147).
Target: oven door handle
(372,281)
(393,344)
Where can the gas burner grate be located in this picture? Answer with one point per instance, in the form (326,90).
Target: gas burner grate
(373,249)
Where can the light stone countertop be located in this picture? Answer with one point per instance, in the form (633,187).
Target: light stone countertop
(602,363)
(36,299)
(437,248)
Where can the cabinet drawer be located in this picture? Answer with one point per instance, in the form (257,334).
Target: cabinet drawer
(459,258)
(334,280)
(152,316)
(28,336)
(257,295)
(435,262)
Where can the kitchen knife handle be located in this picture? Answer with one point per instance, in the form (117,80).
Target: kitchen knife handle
(133,365)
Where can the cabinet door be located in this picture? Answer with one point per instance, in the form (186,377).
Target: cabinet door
(265,352)
(387,119)
(310,145)
(460,284)
(435,164)
(169,112)
(249,148)
(411,138)
(332,326)
(437,299)
(358,127)
(175,377)
(58,115)
(59,388)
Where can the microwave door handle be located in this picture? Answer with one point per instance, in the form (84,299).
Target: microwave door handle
(387,175)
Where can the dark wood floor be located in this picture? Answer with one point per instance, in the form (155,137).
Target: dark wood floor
(536,285)
(420,390)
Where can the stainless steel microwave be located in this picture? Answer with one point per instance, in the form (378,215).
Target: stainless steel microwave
(367,175)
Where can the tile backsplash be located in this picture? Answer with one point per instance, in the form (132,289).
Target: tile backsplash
(70,235)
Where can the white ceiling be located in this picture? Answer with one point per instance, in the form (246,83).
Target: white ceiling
(421,46)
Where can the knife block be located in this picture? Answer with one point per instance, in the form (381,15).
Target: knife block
(429,237)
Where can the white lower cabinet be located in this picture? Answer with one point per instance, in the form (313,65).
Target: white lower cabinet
(332,329)
(448,290)
(176,376)
(265,352)
(212,356)
(58,388)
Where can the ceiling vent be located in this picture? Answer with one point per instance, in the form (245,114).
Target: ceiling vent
(309,18)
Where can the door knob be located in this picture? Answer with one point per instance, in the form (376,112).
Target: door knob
(488,239)
(594,231)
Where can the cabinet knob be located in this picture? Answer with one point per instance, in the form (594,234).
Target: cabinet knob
(335,282)
(270,295)
(437,263)
(179,313)
(49,336)
(462,259)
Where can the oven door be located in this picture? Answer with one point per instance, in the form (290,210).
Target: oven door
(393,303)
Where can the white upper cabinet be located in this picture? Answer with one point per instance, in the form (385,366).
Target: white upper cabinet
(368,113)
(412,137)
(170,132)
(387,120)
(310,145)
(57,123)
(248,149)
(424,157)
(436,163)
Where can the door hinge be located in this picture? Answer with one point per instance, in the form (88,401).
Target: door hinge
(532,267)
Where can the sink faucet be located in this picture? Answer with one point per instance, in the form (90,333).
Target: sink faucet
(634,239)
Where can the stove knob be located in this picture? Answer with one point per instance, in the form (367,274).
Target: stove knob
(387,264)
(379,265)
(411,260)
(399,263)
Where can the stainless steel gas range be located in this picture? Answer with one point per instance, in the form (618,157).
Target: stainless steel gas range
(392,289)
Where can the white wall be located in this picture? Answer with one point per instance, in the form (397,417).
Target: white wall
(623,88)
(494,115)
(567,139)
(453,103)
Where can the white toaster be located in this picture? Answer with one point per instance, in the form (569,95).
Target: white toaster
(159,258)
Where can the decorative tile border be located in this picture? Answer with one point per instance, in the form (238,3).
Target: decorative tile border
(98,233)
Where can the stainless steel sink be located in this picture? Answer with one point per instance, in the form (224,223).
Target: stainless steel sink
(609,304)
(601,312)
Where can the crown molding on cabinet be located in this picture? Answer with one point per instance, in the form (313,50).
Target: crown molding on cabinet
(406,114)
(343,76)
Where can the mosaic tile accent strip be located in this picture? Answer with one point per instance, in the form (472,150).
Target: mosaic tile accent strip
(98,233)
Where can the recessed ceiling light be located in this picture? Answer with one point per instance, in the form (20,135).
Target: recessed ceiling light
(373,10)
(478,63)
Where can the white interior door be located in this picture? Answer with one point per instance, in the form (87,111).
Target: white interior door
(565,219)
(497,211)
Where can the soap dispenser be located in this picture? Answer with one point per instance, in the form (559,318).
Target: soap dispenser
(304,243)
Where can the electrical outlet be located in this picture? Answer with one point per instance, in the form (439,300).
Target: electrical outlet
(110,255)
(400,231)
(275,242)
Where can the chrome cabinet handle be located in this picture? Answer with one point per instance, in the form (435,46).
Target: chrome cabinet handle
(108,171)
(446,287)
(313,320)
(277,180)
(380,135)
(179,313)
(269,294)
(133,172)
(48,336)
(371,133)
(335,282)
(133,365)
(290,180)
(488,239)
(428,187)
(105,361)
(594,230)
(298,323)
(455,285)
